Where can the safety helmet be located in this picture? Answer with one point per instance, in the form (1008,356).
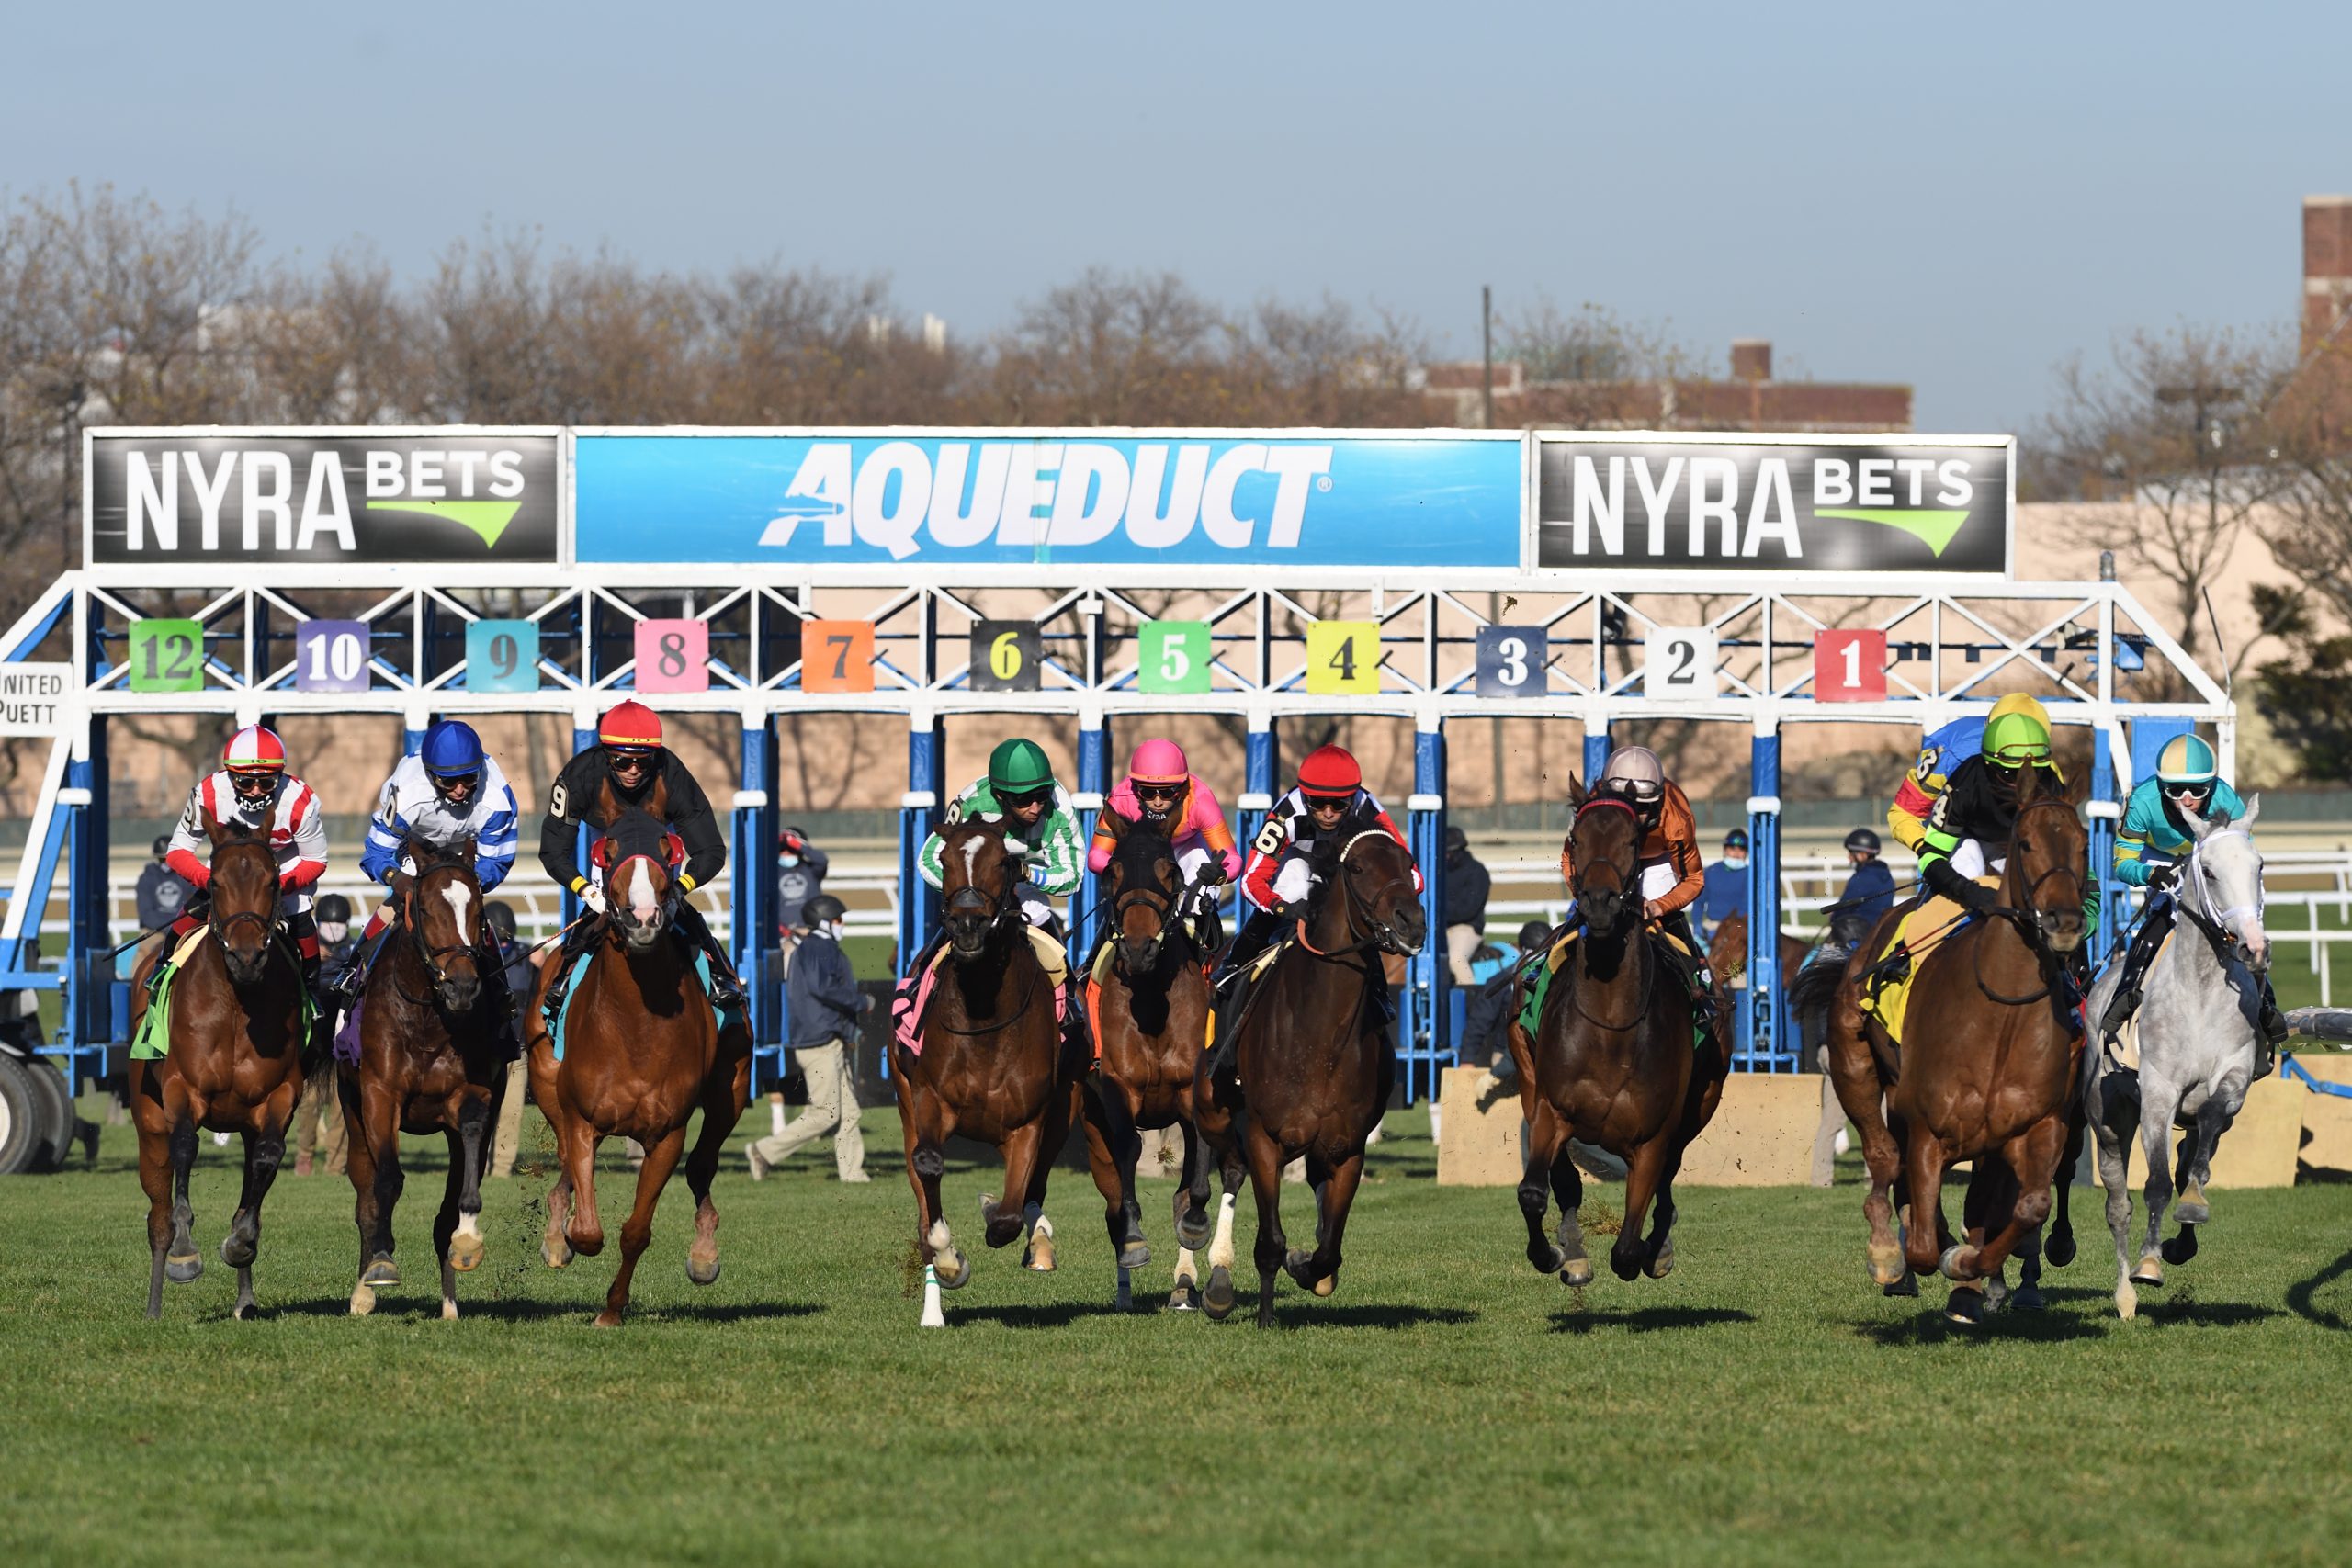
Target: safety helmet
(2187,759)
(333,908)
(451,749)
(2017,738)
(630,727)
(791,840)
(1329,773)
(500,914)
(1736,838)
(1159,762)
(163,843)
(1535,934)
(255,749)
(2020,702)
(1862,838)
(1455,838)
(1633,774)
(823,911)
(1019,766)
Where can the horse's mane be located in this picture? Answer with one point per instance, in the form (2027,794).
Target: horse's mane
(1139,850)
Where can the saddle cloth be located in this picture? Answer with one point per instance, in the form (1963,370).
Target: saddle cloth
(1886,993)
(153,1042)
(728,1017)
(911,1001)
(1535,975)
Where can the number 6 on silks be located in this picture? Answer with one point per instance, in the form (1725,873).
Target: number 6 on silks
(674,656)
(1343,658)
(1680,661)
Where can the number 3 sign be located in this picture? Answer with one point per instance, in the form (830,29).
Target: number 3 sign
(1510,661)
(1849,667)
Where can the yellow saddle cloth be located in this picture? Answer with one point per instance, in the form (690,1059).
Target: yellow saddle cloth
(1887,992)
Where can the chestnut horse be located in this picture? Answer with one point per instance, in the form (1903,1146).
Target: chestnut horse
(1152,1023)
(643,1050)
(1314,1063)
(236,1062)
(992,1066)
(433,1056)
(1987,1064)
(1614,1062)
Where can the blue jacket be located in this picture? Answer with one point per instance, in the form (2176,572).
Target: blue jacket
(1870,892)
(821,994)
(1726,893)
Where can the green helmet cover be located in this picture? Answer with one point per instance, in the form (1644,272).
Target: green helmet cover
(1019,766)
(2012,739)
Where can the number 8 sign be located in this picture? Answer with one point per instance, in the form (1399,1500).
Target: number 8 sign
(674,656)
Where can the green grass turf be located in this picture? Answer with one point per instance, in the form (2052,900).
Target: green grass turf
(1762,1405)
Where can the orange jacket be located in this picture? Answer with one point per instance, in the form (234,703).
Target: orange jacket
(1674,840)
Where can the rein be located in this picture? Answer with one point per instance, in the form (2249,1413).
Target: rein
(1642,979)
(1028,996)
(1348,894)
(2028,920)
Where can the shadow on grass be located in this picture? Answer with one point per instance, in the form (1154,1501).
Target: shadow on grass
(1307,1316)
(525,1309)
(2300,1295)
(1647,1320)
(1931,1327)
(1052,1314)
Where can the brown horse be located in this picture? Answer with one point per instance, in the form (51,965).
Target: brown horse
(1314,1063)
(433,1056)
(1613,1061)
(1152,1022)
(992,1066)
(1987,1066)
(643,1050)
(236,1062)
(1727,953)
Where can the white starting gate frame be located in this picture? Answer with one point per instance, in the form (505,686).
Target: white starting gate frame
(1953,644)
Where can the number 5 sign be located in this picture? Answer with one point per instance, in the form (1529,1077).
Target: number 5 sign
(1680,661)
(1172,657)
(1849,667)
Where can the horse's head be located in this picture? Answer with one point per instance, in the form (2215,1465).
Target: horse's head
(1375,878)
(243,892)
(642,859)
(2224,882)
(976,880)
(2048,861)
(443,913)
(1604,849)
(1142,882)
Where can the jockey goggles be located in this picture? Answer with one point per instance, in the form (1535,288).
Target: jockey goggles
(634,758)
(2195,793)
(253,785)
(1160,792)
(1026,797)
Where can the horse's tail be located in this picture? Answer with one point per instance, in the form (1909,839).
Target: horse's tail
(1815,985)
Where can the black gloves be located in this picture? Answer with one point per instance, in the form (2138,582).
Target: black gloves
(2163,878)
(1943,880)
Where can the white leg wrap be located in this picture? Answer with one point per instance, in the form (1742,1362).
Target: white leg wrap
(1221,1245)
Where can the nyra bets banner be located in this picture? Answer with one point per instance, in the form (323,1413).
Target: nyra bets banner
(1066,497)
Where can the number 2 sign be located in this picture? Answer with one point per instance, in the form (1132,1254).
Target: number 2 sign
(674,656)
(1849,667)
(1680,661)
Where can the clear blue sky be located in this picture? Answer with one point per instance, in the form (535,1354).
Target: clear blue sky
(1954,202)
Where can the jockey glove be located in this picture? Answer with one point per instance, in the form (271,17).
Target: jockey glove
(1942,879)
(2163,879)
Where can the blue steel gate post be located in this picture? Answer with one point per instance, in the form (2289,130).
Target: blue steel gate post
(755,917)
(918,814)
(584,734)
(1764,1051)
(1260,763)
(89,1014)
(1596,747)
(1427,976)
(2104,812)
(1093,784)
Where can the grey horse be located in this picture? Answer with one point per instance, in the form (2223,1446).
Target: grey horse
(2197,1041)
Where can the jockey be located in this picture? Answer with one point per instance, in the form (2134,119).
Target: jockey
(1968,831)
(630,767)
(1161,791)
(1280,877)
(1942,752)
(2149,846)
(254,790)
(1671,870)
(450,789)
(1040,826)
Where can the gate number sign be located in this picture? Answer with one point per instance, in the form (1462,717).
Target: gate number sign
(674,656)
(166,655)
(1173,658)
(331,656)
(1510,661)
(1680,661)
(1850,666)
(1343,658)
(502,656)
(837,656)
(1006,656)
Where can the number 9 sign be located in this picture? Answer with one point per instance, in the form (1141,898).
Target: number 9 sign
(502,656)
(1006,656)
(1173,658)
(1510,661)
(674,656)
(1680,661)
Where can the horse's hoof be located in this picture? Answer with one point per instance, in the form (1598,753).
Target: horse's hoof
(1185,1297)
(1965,1307)
(608,1318)
(1297,1264)
(952,1276)
(2127,1301)
(2058,1250)
(1547,1258)
(1886,1265)
(1325,1285)
(383,1273)
(701,1271)
(363,1301)
(1625,1263)
(1958,1263)
(2149,1272)
(2192,1209)
(236,1251)
(556,1253)
(1577,1272)
(1217,1300)
(1659,1267)
(1996,1291)
(2028,1298)
(466,1253)
(1908,1285)
(1038,1256)
(2181,1247)
(1133,1254)
(1193,1229)
(448,1309)
(182,1267)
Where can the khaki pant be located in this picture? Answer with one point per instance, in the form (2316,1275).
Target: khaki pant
(1461,942)
(317,1125)
(509,1140)
(833,1108)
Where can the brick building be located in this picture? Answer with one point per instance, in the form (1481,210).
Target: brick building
(1750,399)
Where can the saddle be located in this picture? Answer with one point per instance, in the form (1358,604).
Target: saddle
(1886,985)
(2125,1052)
(1535,974)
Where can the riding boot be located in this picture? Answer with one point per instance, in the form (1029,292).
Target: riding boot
(2270,1033)
(2136,959)
(338,993)
(576,939)
(726,990)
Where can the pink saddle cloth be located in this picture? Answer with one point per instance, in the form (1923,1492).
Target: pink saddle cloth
(912,1000)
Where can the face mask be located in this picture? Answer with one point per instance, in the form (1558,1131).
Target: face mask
(837,929)
(792,860)
(1736,861)
(332,931)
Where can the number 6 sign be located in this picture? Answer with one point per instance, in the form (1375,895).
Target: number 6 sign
(1849,667)
(1680,661)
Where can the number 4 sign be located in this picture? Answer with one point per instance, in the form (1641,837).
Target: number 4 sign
(1680,661)
(1849,667)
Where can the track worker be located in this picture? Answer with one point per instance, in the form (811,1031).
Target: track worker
(630,768)
(2153,841)
(824,1004)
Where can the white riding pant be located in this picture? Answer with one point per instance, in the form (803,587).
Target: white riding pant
(1972,859)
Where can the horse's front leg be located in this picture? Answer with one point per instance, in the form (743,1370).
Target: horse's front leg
(1266,1182)
(1320,1270)
(1125,1145)
(2159,1104)
(265,1151)
(468,1156)
(660,1159)
(1218,1299)
(1001,1224)
(926,1125)
(1645,1173)
(1185,1293)
(183,1262)
(1547,1136)
(2212,1119)
(725,1094)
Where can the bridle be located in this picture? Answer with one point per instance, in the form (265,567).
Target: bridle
(2030,921)
(432,957)
(2215,923)
(1382,935)
(1641,954)
(218,926)
(1002,906)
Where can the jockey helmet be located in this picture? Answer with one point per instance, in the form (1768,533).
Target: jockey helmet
(630,728)
(1159,763)
(2017,738)
(255,749)
(334,908)
(2188,762)
(499,915)
(1633,774)
(451,749)
(823,911)
(1329,773)
(1019,767)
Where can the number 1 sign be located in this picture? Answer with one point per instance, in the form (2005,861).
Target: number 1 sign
(1849,667)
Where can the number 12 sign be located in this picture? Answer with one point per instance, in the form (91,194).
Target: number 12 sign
(1849,667)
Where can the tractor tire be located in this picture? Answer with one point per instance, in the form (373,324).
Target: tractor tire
(54,1140)
(21,1111)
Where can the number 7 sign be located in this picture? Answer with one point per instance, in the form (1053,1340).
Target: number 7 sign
(837,656)
(1849,667)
